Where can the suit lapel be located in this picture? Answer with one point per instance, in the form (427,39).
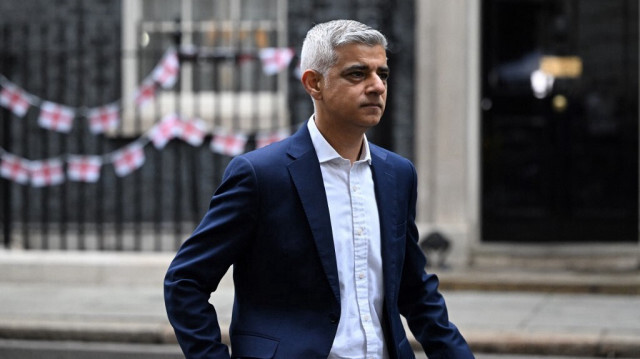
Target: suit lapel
(386,198)
(307,179)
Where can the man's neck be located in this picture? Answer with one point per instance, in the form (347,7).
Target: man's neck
(348,144)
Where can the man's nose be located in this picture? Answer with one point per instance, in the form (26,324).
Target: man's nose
(377,85)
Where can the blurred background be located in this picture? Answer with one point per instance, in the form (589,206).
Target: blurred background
(521,116)
(90,55)
(117,119)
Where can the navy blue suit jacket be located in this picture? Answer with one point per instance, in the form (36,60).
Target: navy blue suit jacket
(270,220)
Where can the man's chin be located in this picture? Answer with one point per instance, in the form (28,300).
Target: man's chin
(370,121)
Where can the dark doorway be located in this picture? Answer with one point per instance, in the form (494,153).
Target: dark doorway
(560,120)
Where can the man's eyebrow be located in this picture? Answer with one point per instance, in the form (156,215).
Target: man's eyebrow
(361,67)
(356,67)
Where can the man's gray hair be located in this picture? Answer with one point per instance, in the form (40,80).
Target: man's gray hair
(318,49)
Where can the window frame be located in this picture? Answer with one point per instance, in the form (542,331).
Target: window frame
(272,109)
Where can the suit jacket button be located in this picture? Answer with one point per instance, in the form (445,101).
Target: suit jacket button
(333,318)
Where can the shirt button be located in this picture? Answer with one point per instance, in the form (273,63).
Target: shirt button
(355,188)
(361,275)
(366,318)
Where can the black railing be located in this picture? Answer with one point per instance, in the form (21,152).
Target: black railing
(156,206)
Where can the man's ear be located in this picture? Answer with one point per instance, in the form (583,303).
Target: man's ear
(312,82)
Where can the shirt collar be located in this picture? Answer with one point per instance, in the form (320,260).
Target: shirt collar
(324,150)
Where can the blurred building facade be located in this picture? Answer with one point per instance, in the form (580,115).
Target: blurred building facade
(521,117)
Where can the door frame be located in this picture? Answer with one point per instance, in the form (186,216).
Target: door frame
(454,207)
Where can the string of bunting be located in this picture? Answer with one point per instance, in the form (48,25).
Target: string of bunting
(101,119)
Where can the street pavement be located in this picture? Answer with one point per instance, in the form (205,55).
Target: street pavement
(76,300)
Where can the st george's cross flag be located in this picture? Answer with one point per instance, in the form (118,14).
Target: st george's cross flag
(46,172)
(145,93)
(227,143)
(193,131)
(104,119)
(56,117)
(166,72)
(84,168)
(275,59)
(14,168)
(128,159)
(169,127)
(14,98)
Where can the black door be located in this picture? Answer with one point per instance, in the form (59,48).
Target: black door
(560,120)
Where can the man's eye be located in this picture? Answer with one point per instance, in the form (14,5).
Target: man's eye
(383,76)
(357,74)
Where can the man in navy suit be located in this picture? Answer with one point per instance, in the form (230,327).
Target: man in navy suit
(320,230)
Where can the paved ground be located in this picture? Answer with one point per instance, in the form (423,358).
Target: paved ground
(117,298)
(21,349)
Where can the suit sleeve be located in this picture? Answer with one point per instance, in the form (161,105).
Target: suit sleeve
(421,303)
(204,258)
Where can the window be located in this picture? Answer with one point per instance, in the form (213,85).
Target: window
(221,79)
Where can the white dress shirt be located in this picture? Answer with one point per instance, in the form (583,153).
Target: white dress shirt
(356,236)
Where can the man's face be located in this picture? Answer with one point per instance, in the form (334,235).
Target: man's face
(354,91)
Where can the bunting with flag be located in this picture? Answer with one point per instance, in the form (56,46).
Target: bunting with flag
(128,159)
(230,144)
(87,168)
(274,60)
(193,132)
(46,173)
(166,72)
(56,117)
(14,98)
(14,168)
(84,168)
(165,131)
(103,119)
(145,93)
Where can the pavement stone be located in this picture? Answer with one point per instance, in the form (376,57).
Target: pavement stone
(117,298)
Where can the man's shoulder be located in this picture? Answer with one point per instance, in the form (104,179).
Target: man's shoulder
(263,162)
(279,151)
(388,155)
(273,150)
(269,157)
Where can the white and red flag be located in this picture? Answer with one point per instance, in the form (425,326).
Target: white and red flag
(103,119)
(14,98)
(230,144)
(266,138)
(14,168)
(166,72)
(169,127)
(128,159)
(275,59)
(145,93)
(56,117)
(84,168)
(193,132)
(47,172)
